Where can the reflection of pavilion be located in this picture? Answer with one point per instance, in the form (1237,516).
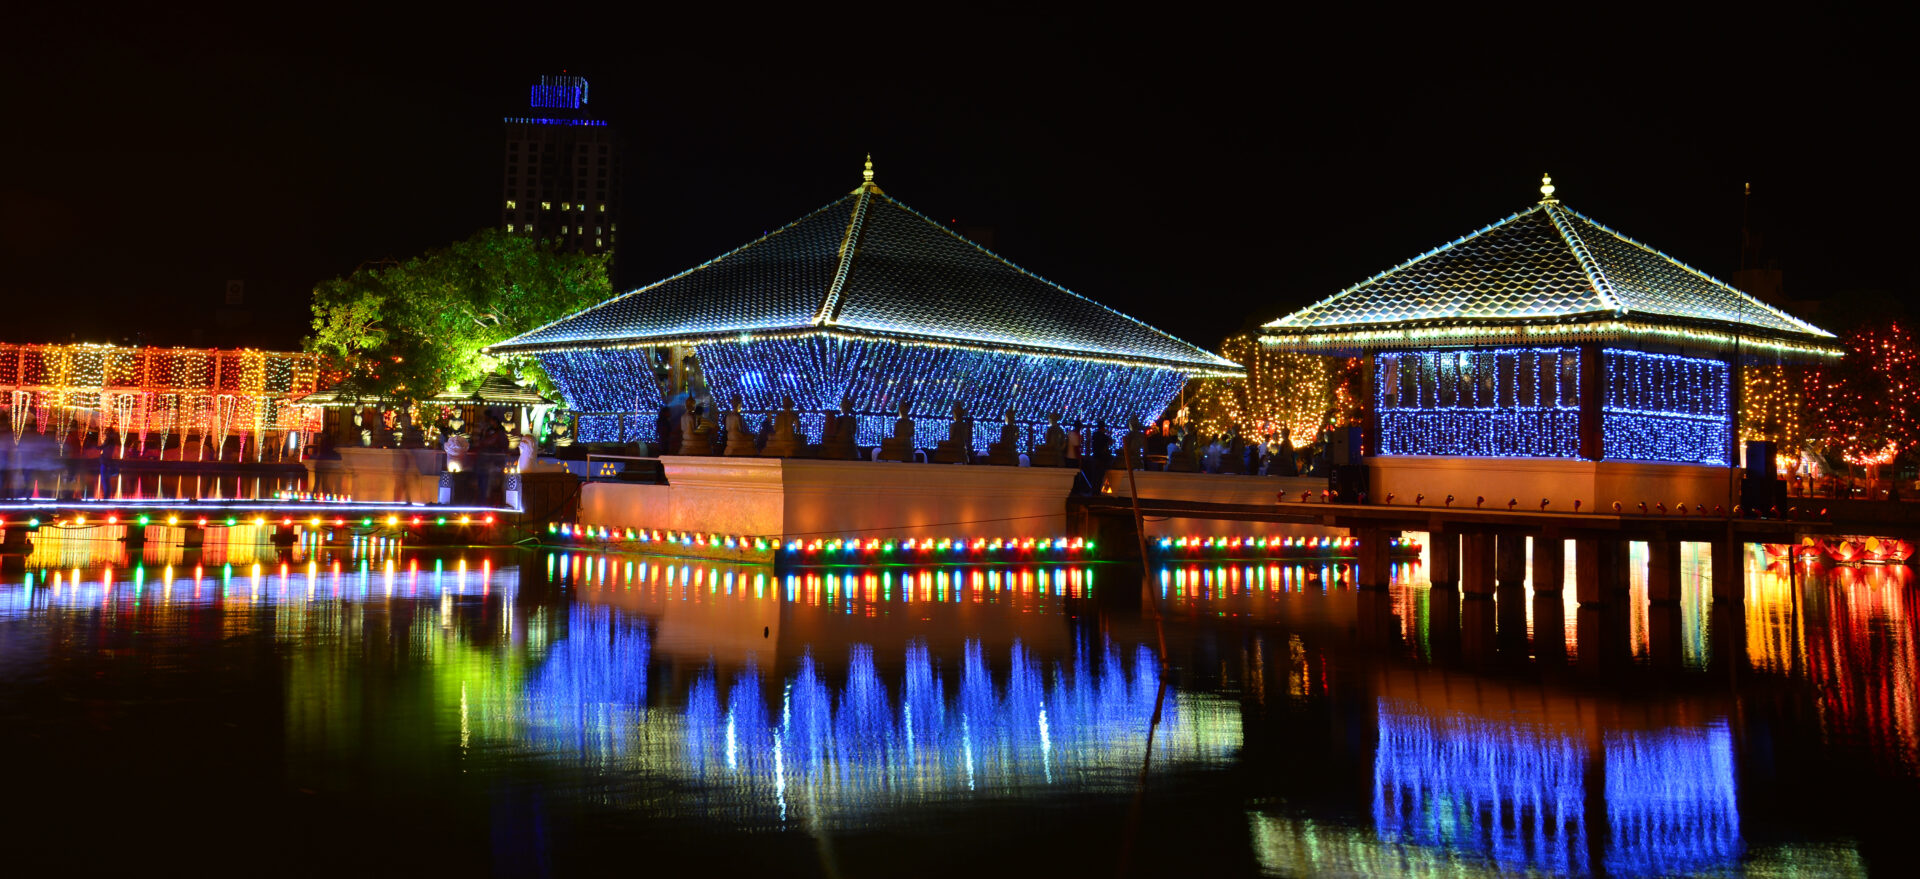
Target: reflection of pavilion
(817,696)
(1562,799)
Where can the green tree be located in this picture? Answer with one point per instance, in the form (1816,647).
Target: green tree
(413,329)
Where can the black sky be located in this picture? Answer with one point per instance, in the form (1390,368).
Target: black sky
(1202,171)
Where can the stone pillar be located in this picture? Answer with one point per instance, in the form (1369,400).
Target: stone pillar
(1549,628)
(1476,564)
(1664,635)
(1663,570)
(1443,555)
(1729,570)
(1375,569)
(1605,636)
(1510,616)
(1549,563)
(1377,626)
(1443,624)
(1600,572)
(1510,560)
(1477,629)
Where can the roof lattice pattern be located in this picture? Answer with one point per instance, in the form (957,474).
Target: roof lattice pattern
(1545,265)
(907,277)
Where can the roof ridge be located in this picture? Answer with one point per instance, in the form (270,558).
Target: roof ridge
(1275,323)
(673,277)
(1010,264)
(1584,257)
(849,242)
(1807,327)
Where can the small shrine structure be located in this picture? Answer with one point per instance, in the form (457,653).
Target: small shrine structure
(1550,358)
(864,300)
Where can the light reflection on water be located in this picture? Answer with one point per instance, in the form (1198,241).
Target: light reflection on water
(1462,736)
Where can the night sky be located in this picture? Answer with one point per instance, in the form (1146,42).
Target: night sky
(1202,173)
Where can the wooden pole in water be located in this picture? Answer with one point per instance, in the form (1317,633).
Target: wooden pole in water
(1152,609)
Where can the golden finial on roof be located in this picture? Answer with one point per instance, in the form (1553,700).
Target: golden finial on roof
(866,174)
(1546,190)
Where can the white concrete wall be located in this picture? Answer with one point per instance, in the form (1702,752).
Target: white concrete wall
(1596,484)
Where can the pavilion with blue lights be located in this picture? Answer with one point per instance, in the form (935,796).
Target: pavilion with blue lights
(1548,335)
(869,301)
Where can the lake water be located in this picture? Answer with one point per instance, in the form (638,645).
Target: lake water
(375,710)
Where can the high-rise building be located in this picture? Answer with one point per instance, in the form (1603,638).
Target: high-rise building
(562,169)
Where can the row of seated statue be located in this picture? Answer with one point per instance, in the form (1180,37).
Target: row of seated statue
(838,438)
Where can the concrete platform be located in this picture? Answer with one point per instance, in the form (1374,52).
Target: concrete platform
(1220,488)
(791,498)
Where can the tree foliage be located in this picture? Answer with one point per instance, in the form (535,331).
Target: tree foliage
(413,329)
(1282,389)
(1868,404)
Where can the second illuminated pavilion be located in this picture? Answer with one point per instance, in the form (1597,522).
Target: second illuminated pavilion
(1549,335)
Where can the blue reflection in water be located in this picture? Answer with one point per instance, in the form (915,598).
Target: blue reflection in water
(1515,794)
(705,728)
(860,742)
(806,721)
(1508,791)
(592,687)
(749,738)
(1671,801)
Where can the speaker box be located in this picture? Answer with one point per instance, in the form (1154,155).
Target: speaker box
(1345,446)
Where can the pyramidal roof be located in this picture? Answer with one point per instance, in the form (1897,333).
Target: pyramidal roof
(866,265)
(1547,274)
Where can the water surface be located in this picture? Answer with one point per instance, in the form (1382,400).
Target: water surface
(510,712)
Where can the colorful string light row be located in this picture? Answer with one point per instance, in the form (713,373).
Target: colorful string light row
(1275,546)
(734,542)
(836,548)
(934,547)
(312,497)
(392,521)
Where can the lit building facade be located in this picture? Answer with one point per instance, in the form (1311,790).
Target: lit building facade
(1549,335)
(561,171)
(869,301)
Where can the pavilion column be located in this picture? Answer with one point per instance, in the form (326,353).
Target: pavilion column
(1592,399)
(1736,398)
(1370,424)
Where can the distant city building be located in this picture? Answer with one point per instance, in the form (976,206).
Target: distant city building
(562,169)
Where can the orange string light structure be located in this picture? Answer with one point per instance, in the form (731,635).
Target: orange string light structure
(176,395)
(1282,389)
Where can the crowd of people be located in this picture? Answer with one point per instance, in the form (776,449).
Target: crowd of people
(1091,448)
